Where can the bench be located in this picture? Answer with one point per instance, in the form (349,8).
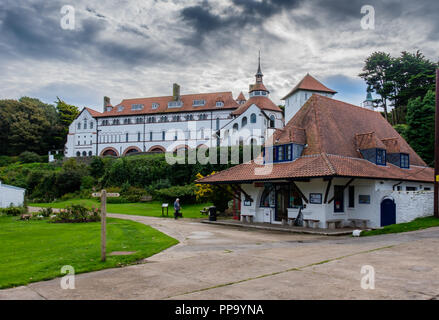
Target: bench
(311,223)
(359,223)
(205,210)
(291,221)
(334,223)
(246,218)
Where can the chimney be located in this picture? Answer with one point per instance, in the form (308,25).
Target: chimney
(106,101)
(176,92)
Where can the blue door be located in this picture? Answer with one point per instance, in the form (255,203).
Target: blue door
(388,212)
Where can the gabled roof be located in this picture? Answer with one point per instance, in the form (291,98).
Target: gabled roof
(309,83)
(93,113)
(187,100)
(331,130)
(241,97)
(263,103)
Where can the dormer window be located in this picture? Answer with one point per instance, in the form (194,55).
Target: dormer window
(220,104)
(175,104)
(258,93)
(154,106)
(198,103)
(119,108)
(381,157)
(136,106)
(405,161)
(108,109)
(282,153)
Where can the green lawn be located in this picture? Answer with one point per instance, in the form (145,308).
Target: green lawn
(417,224)
(36,250)
(152,209)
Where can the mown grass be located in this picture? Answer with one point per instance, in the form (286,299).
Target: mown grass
(36,250)
(417,224)
(151,209)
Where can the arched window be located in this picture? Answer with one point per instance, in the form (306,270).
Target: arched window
(78,154)
(244,122)
(235,127)
(90,153)
(268,198)
(84,154)
(253,118)
(272,121)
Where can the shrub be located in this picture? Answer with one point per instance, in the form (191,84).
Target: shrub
(77,213)
(13,211)
(186,194)
(45,212)
(29,157)
(116,200)
(87,182)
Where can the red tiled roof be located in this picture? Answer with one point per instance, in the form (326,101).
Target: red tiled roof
(93,113)
(290,134)
(393,146)
(263,103)
(309,83)
(368,141)
(331,130)
(320,165)
(210,98)
(258,87)
(241,97)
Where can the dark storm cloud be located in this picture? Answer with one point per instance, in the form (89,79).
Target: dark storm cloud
(203,18)
(35,31)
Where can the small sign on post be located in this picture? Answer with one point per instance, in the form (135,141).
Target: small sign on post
(165,205)
(103,194)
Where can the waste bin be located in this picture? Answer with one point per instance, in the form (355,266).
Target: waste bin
(212,213)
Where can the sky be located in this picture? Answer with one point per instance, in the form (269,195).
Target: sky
(139,48)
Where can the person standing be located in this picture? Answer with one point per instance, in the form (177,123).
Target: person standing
(177,208)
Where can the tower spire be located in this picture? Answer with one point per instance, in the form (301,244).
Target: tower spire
(259,74)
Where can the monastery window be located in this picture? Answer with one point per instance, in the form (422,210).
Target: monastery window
(136,106)
(79,125)
(175,104)
(91,124)
(272,121)
(84,154)
(116,122)
(155,106)
(253,118)
(126,137)
(78,154)
(267,198)
(190,117)
(108,109)
(219,104)
(381,157)
(279,153)
(138,136)
(90,153)
(202,117)
(411,188)
(202,133)
(150,136)
(163,135)
(405,161)
(244,122)
(217,123)
(139,120)
(127,121)
(197,103)
(351,199)
(119,108)
(235,127)
(85,124)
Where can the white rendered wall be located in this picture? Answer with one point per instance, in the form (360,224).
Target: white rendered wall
(11,195)
(294,102)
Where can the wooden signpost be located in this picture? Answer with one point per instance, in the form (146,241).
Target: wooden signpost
(103,194)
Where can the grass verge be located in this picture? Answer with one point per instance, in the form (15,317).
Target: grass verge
(36,250)
(417,224)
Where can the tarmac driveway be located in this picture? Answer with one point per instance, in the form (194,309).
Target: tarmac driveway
(218,262)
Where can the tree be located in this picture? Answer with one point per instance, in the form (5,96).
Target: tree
(219,196)
(375,73)
(420,131)
(67,114)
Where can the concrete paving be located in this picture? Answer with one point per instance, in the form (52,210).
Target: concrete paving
(223,262)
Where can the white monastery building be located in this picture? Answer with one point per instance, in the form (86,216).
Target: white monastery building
(160,124)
